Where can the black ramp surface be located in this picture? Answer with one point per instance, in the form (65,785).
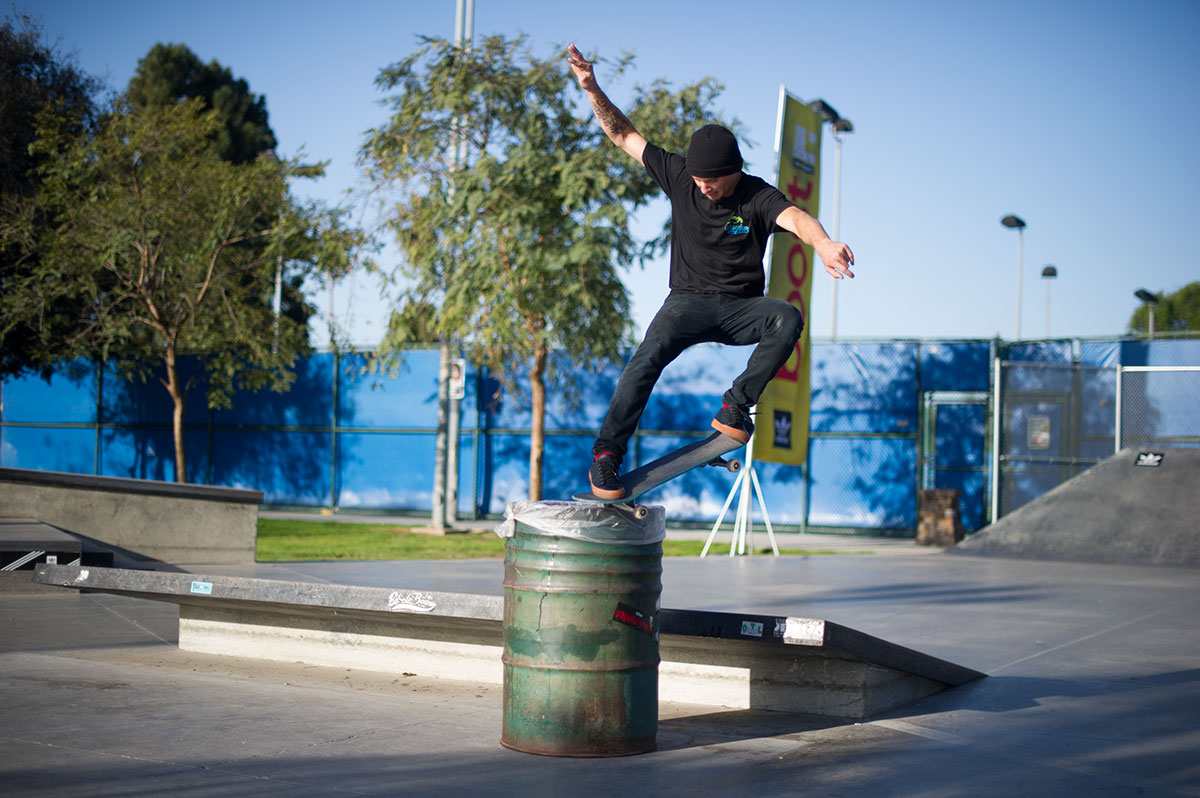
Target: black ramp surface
(1140,506)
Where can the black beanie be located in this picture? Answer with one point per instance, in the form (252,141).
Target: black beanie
(713,153)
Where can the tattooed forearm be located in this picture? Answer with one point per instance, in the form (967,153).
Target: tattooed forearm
(615,123)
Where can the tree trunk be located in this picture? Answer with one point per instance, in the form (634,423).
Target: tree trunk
(437,520)
(537,437)
(177,396)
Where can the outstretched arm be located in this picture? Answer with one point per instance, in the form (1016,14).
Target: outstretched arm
(617,126)
(836,256)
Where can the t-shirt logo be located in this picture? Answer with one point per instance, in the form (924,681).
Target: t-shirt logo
(736,226)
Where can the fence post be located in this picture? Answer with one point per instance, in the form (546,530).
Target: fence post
(455,381)
(1117,404)
(333,431)
(997,420)
(97,463)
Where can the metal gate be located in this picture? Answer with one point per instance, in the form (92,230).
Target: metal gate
(954,441)
(1055,421)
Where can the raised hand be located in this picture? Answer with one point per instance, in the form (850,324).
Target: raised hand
(837,258)
(582,68)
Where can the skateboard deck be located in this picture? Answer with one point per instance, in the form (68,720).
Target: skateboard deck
(671,465)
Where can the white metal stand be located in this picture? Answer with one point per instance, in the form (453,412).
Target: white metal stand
(743,525)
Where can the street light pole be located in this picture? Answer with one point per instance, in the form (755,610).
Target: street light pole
(1016,223)
(1151,300)
(444,499)
(1049,273)
(841,126)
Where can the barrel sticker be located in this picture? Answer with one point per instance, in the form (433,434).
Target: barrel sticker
(752,629)
(631,616)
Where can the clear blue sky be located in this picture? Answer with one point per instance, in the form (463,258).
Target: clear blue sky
(1081,118)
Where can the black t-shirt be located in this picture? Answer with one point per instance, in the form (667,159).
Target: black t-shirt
(716,247)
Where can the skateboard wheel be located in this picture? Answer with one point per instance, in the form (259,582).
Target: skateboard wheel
(641,513)
(734,465)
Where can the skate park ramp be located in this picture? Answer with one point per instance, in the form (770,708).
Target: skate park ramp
(1138,507)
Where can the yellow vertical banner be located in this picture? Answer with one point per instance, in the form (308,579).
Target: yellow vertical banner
(781,423)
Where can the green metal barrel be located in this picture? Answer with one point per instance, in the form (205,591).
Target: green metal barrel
(581,598)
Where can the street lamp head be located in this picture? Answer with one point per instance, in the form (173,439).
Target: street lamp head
(1049,271)
(1014,222)
(1146,296)
(842,125)
(827,111)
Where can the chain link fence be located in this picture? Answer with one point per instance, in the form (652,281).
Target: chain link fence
(1000,423)
(1059,419)
(1159,406)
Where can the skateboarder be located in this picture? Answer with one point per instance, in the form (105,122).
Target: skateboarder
(720,221)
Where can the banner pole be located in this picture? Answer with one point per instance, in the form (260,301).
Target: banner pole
(743,521)
(744,526)
(766,518)
(724,509)
(783,407)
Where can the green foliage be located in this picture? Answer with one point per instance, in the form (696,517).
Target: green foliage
(521,246)
(170,249)
(413,324)
(512,208)
(172,72)
(1175,313)
(33,78)
(148,204)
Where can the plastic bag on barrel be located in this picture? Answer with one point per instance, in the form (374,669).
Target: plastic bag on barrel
(594,523)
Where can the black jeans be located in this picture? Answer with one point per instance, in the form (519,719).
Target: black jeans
(688,319)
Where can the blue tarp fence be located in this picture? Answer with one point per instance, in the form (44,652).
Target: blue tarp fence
(888,418)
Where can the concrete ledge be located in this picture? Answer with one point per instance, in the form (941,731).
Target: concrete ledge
(720,659)
(157,520)
(794,664)
(145,487)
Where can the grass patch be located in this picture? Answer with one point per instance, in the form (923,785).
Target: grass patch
(286,540)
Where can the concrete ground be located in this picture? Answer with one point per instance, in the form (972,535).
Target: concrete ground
(1093,690)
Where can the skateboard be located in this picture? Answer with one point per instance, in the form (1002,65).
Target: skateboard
(706,452)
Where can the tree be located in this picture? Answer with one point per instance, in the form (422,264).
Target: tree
(172,250)
(520,248)
(172,72)
(413,324)
(33,77)
(1177,312)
